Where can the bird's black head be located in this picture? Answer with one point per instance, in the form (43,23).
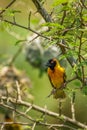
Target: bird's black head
(51,63)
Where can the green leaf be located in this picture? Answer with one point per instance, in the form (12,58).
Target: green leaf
(77,83)
(19,41)
(83,29)
(27,127)
(57,2)
(82,63)
(57,25)
(11,12)
(84,90)
(85,17)
(4,25)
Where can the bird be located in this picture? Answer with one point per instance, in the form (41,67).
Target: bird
(11,125)
(57,77)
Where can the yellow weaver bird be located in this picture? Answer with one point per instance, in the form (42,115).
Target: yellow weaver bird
(12,126)
(57,77)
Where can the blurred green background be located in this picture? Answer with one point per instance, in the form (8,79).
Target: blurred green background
(41,86)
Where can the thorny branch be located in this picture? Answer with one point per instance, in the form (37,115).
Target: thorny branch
(33,125)
(39,109)
(29,106)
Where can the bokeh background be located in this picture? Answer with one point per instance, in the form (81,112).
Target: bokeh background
(41,86)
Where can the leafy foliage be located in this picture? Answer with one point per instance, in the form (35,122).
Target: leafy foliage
(70,25)
(62,34)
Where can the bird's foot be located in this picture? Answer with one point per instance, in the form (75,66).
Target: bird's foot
(52,92)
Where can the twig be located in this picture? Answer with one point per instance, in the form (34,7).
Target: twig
(27,28)
(45,124)
(28,109)
(17,111)
(16,55)
(73,105)
(18,91)
(8,123)
(83,4)
(41,35)
(39,109)
(33,39)
(79,52)
(42,11)
(61,126)
(63,17)
(14,19)
(7,6)
(33,127)
(80,59)
(60,107)
(2,126)
(70,80)
(70,59)
(29,16)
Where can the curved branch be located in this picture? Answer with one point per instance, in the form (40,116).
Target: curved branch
(40,109)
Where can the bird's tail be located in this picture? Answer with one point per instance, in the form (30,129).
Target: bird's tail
(59,93)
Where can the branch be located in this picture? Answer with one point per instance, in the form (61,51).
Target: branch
(29,18)
(45,124)
(70,59)
(27,28)
(73,105)
(18,91)
(39,109)
(83,4)
(63,17)
(42,11)
(38,34)
(7,7)
(60,107)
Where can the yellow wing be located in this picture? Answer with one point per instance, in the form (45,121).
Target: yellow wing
(57,80)
(57,77)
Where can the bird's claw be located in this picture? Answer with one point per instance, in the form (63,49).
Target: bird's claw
(52,92)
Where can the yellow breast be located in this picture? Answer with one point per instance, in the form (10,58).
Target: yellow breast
(56,76)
